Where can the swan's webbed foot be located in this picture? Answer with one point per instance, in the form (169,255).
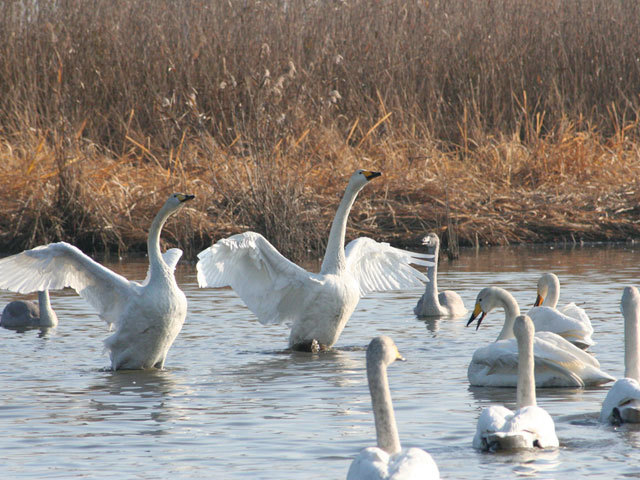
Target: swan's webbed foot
(312,346)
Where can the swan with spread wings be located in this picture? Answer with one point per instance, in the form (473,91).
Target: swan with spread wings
(317,305)
(147,316)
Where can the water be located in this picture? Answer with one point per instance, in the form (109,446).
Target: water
(231,405)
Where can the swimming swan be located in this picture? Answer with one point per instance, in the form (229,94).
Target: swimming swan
(529,426)
(570,322)
(558,363)
(318,305)
(25,313)
(148,316)
(388,461)
(433,304)
(622,403)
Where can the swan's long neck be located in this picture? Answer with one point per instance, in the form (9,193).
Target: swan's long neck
(386,430)
(334,258)
(156,263)
(511,311)
(631,343)
(553,293)
(48,317)
(431,289)
(526,388)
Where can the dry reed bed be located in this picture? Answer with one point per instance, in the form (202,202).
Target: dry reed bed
(501,121)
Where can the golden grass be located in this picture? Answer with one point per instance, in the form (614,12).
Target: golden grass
(492,122)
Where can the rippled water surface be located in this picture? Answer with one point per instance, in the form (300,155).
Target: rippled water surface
(232,404)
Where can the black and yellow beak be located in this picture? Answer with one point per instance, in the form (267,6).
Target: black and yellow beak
(370,175)
(477,311)
(539,300)
(400,357)
(184,198)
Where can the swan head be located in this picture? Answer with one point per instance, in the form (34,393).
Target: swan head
(544,283)
(630,300)
(176,200)
(383,349)
(431,240)
(523,327)
(486,301)
(361,177)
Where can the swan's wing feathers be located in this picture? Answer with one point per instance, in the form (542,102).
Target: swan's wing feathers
(59,265)
(171,257)
(267,282)
(379,266)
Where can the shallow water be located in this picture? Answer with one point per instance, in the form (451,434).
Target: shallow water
(231,404)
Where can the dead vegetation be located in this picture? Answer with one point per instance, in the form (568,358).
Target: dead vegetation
(492,122)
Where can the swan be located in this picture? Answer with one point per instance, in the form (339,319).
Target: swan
(529,426)
(388,460)
(148,316)
(25,313)
(318,305)
(558,362)
(622,403)
(433,304)
(570,322)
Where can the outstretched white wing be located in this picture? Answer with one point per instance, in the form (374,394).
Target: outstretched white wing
(59,265)
(272,286)
(379,266)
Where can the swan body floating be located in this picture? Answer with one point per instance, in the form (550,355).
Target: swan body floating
(558,363)
(570,322)
(147,316)
(26,314)
(388,461)
(529,426)
(433,304)
(622,403)
(317,305)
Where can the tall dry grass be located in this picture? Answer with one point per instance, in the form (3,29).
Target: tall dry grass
(507,120)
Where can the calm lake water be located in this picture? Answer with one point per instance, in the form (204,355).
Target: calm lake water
(232,404)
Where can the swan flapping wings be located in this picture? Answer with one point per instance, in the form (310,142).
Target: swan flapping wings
(273,287)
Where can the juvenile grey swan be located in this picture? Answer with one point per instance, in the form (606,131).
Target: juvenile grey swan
(388,461)
(26,314)
(622,403)
(529,426)
(317,305)
(433,303)
(147,316)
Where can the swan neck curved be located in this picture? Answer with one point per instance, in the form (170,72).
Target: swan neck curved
(631,343)
(334,258)
(48,317)
(526,387)
(553,293)
(511,311)
(153,241)
(385,420)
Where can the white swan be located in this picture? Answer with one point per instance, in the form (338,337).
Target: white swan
(570,322)
(318,305)
(25,313)
(529,426)
(433,304)
(388,461)
(148,316)
(622,403)
(558,362)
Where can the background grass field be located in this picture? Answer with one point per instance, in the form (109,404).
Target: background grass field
(493,122)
